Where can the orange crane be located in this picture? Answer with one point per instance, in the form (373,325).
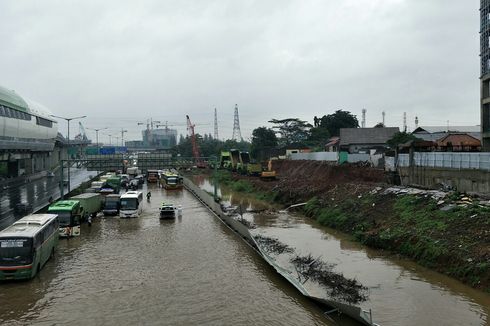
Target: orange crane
(195,148)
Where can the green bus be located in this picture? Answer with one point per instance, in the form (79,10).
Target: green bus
(69,214)
(27,245)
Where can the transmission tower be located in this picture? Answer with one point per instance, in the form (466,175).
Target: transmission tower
(215,124)
(237,134)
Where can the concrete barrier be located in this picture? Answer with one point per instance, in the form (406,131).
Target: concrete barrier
(355,312)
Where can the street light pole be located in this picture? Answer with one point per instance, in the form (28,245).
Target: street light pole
(122,136)
(98,146)
(68,121)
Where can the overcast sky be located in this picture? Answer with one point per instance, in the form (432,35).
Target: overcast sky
(120,62)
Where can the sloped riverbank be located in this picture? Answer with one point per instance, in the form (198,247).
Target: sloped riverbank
(447,232)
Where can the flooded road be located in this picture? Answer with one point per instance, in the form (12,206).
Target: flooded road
(400,292)
(36,193)
(141,271)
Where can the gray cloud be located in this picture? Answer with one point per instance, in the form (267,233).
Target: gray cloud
(123,62)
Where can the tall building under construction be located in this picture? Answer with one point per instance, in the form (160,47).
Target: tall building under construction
(485,73)
(154,139)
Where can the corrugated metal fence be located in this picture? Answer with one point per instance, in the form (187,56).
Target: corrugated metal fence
(477,161)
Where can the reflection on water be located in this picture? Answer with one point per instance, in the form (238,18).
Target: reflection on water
(143,271)
(401,292)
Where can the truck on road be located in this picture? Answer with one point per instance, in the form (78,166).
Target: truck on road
(90,203)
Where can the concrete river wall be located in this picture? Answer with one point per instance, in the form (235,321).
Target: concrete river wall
(357,313)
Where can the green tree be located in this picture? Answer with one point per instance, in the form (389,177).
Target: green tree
(318,137)
(337,120)
(292,130)
(263,139)
(400,138)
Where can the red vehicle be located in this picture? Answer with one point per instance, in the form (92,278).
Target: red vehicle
(152,176)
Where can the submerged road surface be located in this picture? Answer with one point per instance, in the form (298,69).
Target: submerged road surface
(143,271)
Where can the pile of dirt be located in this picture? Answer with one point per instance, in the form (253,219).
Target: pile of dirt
(301,180)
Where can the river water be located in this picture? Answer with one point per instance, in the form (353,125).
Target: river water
(400,291)
(143,271)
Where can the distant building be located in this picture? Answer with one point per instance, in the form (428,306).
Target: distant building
(363,140)
(437,132)
(333,144)
(485,73)
(458,143)
(154,139)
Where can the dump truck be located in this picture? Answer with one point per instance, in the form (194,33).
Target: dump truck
(268,174)
(90,204)
(254,168)
(234,159)
(243,160)
(225,160)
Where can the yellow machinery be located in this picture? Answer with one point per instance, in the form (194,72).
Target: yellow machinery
(269,174)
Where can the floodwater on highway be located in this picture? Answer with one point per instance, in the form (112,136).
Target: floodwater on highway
(143,271)
(400,291)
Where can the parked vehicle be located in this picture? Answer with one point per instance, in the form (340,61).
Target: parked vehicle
(113,182)
(152,176)
(140,178)
(131,204)
(91,204)
(167,211)
(69,216)
(27,245)
(225,160)
(133,171)
(171,180)
(111,205)
(234,159)
(134,184)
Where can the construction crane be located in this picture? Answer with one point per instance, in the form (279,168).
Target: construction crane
(195,148)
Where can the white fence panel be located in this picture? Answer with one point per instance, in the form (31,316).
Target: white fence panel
(316,156)
(354,158)
(448,160)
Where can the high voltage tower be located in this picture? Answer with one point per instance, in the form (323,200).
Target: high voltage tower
(237,134)
(215,124)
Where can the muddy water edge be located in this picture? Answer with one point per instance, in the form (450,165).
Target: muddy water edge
(400,291)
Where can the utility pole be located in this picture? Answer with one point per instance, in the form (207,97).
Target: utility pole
(68,121)
(404,121)
(237,134)
(97,142)
(215,124)
(122,136)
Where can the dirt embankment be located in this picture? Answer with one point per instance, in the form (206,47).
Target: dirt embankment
(449,234)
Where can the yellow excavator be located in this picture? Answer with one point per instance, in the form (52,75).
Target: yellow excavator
(268,174)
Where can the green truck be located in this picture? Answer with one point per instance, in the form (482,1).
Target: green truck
(90,203)
(113,182)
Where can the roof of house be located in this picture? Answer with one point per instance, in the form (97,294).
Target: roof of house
(333,141)
(459,140)
(350,136)
(436,129)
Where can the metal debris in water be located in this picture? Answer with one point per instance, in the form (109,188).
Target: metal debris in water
(272,245)
(336,284)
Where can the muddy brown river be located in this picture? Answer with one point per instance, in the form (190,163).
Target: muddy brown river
(141,271)
(400,291)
